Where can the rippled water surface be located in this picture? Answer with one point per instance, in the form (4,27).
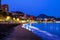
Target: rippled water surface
(48,31)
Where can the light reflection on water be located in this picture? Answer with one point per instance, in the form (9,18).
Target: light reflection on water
(50,31)
(53,28)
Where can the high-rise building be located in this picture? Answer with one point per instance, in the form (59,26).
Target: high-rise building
(5,8)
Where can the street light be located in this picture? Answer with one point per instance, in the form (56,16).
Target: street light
(17,19)
(8,17)
(13,18)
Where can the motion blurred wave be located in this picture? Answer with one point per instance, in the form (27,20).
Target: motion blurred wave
(44,34)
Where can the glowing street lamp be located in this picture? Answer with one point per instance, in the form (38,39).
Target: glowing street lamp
(23,21)
(13,18)
(8,17)
(17,19)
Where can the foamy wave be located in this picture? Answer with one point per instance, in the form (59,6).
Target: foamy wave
(44,33)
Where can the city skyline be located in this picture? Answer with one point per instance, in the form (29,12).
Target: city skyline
(34,7)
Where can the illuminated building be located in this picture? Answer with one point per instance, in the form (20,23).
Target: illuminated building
(4,8)
(17,15)
(25,17)
(31,17)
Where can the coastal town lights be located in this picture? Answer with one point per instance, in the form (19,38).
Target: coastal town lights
(28,20)
(13,18)
(45,19)
(8,17)
(23,21)
(17,19)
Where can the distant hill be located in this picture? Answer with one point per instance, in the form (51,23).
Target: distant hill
(57,19)
(44,16)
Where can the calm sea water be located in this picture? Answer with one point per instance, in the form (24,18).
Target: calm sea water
(47,31)
(53,28)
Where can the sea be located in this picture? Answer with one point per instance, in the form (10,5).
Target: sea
(47,31)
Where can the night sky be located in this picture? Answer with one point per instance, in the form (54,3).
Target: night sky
(35,7)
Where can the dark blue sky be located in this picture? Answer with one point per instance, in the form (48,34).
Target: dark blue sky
(35,7)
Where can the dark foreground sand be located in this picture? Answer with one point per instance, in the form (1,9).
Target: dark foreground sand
(20,33)
(6,29)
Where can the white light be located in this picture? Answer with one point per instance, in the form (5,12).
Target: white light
(23,21)
(13,18)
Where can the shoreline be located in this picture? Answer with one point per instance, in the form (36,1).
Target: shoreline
(8,30)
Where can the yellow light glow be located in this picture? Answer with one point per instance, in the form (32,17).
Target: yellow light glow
(17,19)
(27,20)
(8,17)
(1,20)
(23,21)
(13,18)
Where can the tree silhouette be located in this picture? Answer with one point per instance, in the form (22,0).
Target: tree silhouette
(4,14)
(19,12)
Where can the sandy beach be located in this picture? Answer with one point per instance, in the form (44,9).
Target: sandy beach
(19,33)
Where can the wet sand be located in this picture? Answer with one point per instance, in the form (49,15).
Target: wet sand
(20,33)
